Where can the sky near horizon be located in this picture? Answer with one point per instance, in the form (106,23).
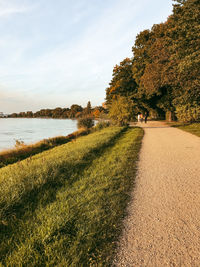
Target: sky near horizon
(55,53)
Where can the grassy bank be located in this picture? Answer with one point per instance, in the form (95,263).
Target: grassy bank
(193,128)
(64,206)
(24,151)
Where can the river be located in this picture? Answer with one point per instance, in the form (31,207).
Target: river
(32,130)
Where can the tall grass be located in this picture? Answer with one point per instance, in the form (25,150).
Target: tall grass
(50,168)
(23,151)
(193,128)
(63,207)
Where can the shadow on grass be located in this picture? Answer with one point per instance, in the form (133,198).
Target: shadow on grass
(46,193)
(104,234)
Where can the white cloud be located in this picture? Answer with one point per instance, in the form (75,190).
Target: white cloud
(8,8)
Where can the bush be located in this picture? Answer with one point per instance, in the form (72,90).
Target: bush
(19,143)
(85,123)
(188,112)
(102,124)
(121,111)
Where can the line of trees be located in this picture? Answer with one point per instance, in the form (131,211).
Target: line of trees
(75,111)
(163,76)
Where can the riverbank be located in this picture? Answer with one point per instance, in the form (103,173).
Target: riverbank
(22,151)
(64,206)
(32,130)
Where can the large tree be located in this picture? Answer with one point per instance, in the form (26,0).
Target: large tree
(164,73)
(185,33)
(122,83)
(166,62)
(151,58)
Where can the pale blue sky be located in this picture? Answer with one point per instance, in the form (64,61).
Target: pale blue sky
(55,53)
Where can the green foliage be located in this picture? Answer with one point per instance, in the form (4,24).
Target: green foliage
(64,207)
(140,51)
(193,128)
(165,68)
(102,124)
(188,112)
(75,111)
(85,123)
(121,111)
(150,65)
(88,108)
(185,48)
(122,83)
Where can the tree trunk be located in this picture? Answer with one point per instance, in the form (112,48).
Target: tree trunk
(170,115)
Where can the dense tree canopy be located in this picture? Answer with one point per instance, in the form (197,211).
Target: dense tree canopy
(122,82)
(164,73)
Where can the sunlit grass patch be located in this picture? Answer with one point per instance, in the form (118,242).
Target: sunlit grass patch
(75,223)
(22,151)
(193,128)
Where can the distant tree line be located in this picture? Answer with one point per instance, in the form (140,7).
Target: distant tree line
(74,112)
(163,76)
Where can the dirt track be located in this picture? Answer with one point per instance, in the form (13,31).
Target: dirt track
(163,223)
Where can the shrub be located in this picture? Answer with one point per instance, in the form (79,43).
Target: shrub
(85,123)
(19,143)
(102,124)
(121,111)
(188,112)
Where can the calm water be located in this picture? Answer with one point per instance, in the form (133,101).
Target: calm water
(32,130)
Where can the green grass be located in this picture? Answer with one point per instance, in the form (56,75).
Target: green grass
(24,151)
(63,207)
(193,128)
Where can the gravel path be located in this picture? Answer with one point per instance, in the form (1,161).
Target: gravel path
(163,223)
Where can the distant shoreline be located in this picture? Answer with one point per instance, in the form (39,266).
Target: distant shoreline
(39,118)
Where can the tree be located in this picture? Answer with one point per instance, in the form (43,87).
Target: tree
(122,83)
(88,108)
(57,112)
(186,49)
(140,54)
(75,109)
(96,113)
(151,58)
(166,63)
(85,123)
(29,114)
(189,112)
(121,110)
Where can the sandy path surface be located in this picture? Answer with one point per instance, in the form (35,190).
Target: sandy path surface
(163,223)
